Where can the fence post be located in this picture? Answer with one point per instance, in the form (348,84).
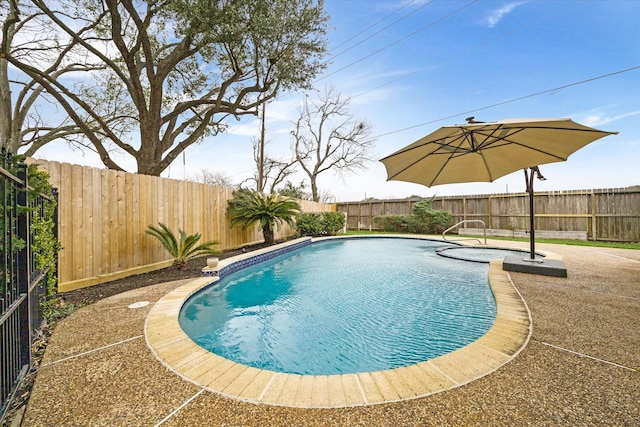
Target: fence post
(594,217)
(489,211)
(23,263)
(464,209)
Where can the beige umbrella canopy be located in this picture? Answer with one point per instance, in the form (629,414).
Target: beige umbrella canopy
(484,152)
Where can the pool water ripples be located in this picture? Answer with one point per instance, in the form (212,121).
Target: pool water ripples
(343,306)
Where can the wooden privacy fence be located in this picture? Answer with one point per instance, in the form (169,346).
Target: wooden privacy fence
(606,214)
(103,215)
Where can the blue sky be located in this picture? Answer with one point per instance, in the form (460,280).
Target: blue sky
(411,67)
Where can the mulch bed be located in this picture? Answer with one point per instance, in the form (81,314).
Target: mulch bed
(91,294)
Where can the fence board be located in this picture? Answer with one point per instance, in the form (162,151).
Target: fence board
(77,220)
(128,190)
(95,231)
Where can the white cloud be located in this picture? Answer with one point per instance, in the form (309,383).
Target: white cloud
(496,16)
(594,120)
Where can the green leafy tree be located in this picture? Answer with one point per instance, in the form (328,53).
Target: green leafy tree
(295,192)
(184,249)
(250,207)
(173,71)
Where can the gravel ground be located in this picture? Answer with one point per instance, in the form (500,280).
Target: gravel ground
(581,367)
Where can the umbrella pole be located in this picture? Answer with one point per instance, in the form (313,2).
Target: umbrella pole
(532,234)
(528,177)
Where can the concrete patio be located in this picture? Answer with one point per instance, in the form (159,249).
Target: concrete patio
(580,367)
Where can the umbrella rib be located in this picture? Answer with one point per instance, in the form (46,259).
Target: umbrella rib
(486,166)
(528,147)
(454,153)
(506,140)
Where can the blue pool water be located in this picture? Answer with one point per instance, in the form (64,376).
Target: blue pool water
(343,306)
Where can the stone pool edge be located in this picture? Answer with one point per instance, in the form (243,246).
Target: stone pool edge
(508,335)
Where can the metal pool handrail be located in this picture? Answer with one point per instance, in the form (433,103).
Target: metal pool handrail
(484,230)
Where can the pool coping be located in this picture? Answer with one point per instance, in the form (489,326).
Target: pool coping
(508,335)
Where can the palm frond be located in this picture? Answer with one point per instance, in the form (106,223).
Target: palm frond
(250,207)
(184,249)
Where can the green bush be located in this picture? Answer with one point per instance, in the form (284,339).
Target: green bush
(432,221)
(308,224)
(332,222)
(425,220)
(184,249)
(391,223)
(319,223)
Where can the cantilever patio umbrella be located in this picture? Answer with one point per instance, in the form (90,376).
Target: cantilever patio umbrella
(484,152)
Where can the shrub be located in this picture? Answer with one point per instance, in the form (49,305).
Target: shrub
(433,221)
(308,224)
(184,249)
(319,223)
(392,223)
(425,220)
(332,222)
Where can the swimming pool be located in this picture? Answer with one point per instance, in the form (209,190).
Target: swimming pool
(343,306)
(167,341)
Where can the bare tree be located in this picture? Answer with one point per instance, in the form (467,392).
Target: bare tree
(274,171)
(205,176)
(328,137)
(175,70)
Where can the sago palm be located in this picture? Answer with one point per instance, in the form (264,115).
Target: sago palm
(250,207)
(184,249)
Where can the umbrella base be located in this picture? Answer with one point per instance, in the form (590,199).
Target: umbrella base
(544,267)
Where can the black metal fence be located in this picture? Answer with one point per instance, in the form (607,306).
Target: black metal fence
(21,285)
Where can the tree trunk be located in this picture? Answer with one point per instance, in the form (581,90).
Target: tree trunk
(267,232)
(314,188)
(5,108)
(6,39)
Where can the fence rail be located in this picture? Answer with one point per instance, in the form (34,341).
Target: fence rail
(605,214)
(21,285)
(104,214)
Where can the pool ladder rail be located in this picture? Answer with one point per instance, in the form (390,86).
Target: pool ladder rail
(484,231)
